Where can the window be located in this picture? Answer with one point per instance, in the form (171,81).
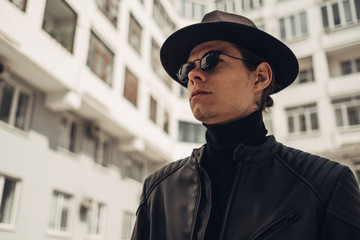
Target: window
(293,27)
(346,67)
(236,6)
(9,195)
(166,122)
(135,31)
(357,64)
(96,219)
(350,66)
(340,13)
(60,212)
(15,104)
(60,22)
(100,59)
(191,132)
(192,10)
(102,150)
(130,87)
(156,64)
(347,112)
(153,108)
(70,133)
(128,222)
(302,119)
(20,4)
(134,169)
(162,19)
(305,71)
(110,9)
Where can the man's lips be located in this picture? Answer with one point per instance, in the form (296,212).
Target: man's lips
(199,92)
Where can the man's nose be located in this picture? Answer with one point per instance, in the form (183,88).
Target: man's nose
(196,75)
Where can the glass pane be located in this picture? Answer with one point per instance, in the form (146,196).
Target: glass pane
(302,122)
(293,26)
(6,102)
(357,63)
(324,15)
(73,131)
(53,208)
(353,115)
(291,124)
(336,14)
(64,215)
(20,4)
(21,110)
(314,121)
(346,67)
(339,118)
(60,22)
(357,9)
(7,201)
(303,23)
(106,154)
(282,28)
(347,11)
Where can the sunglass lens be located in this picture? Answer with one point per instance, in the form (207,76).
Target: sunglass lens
(209,61)
(184,71)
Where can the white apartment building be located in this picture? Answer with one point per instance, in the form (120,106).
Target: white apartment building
(320,112)
(86,111)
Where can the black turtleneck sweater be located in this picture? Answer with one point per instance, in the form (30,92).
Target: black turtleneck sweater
(222,141)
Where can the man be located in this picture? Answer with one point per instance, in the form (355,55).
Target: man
(242,184)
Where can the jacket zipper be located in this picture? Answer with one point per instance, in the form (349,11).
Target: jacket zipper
(284,222)
(198,202)
(233,188)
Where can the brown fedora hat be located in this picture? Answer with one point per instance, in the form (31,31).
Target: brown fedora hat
(218,25)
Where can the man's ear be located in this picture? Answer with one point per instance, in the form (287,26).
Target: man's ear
(264,76)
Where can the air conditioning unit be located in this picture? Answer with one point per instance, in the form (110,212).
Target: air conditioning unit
(93,130)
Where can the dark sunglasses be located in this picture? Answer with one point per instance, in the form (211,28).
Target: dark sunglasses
(207,62)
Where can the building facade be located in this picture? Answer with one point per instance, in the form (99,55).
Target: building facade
(320,112)
(87,112)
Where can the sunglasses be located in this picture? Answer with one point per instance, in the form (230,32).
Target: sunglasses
(208,62)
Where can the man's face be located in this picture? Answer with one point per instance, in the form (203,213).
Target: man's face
(225,93)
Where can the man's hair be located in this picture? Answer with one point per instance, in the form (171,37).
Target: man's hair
(252,62)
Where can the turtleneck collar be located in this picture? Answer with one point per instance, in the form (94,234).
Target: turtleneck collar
(225,137)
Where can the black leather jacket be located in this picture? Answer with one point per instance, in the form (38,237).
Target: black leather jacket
(278,193)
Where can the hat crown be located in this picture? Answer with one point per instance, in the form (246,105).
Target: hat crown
(219,16)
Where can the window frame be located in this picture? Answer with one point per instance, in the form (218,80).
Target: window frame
(96,219)
(302,120)
(58,214)
(292,28)
(327,14)
(131,87)
(135,34)
(99,52)
(23,8)
(13,111)
(343,105)
(66,136)
(15,202)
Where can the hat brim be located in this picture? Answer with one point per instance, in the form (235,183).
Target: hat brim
(177,47)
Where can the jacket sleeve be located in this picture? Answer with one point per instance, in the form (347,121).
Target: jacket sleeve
(342,217)
(141,229)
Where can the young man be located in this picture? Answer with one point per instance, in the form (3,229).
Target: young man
(242,184)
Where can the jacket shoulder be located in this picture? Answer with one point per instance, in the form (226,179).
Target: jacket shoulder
(320,174)
(159,175)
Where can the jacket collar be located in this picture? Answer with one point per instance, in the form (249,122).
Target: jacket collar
(243,153)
